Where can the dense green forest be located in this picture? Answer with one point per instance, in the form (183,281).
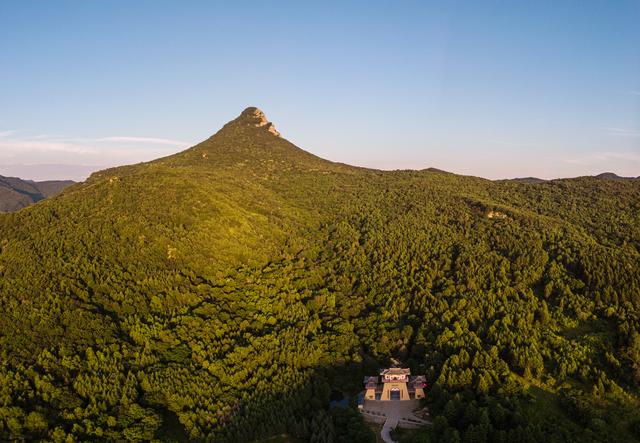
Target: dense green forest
(223,293)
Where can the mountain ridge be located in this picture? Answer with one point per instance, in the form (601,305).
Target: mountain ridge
(16,193)
(252,121)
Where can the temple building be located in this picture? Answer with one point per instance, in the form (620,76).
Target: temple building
(394,384)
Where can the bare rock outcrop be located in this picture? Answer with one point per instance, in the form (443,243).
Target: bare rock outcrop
(258,119)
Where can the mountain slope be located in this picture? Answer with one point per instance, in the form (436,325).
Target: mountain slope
(16,193)
(196,295)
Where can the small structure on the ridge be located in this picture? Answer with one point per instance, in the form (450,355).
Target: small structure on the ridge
(394,384)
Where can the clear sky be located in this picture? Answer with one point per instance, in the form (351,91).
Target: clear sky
(496,89)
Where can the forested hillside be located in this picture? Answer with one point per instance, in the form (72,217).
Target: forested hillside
(223,293)
(16,193)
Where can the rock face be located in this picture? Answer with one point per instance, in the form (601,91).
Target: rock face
(257,118)
(496,214)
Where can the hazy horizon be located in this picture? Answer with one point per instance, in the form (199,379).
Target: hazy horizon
(80,172)
(496,91)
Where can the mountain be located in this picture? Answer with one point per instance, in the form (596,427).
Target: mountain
(16,193)
(529,180)
(612,176)
(225,292)
(603,176)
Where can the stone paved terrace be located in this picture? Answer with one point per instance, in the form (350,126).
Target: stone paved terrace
(393,414)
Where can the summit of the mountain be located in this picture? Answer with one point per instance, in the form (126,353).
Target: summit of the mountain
(253,116)
(250,140)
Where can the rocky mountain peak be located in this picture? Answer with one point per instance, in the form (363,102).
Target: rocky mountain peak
(255,117)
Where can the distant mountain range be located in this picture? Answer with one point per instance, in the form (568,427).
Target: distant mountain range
(603,176)
(613,176)
(529,180)
(16,193)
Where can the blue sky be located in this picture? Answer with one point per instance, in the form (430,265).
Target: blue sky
(495,89)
